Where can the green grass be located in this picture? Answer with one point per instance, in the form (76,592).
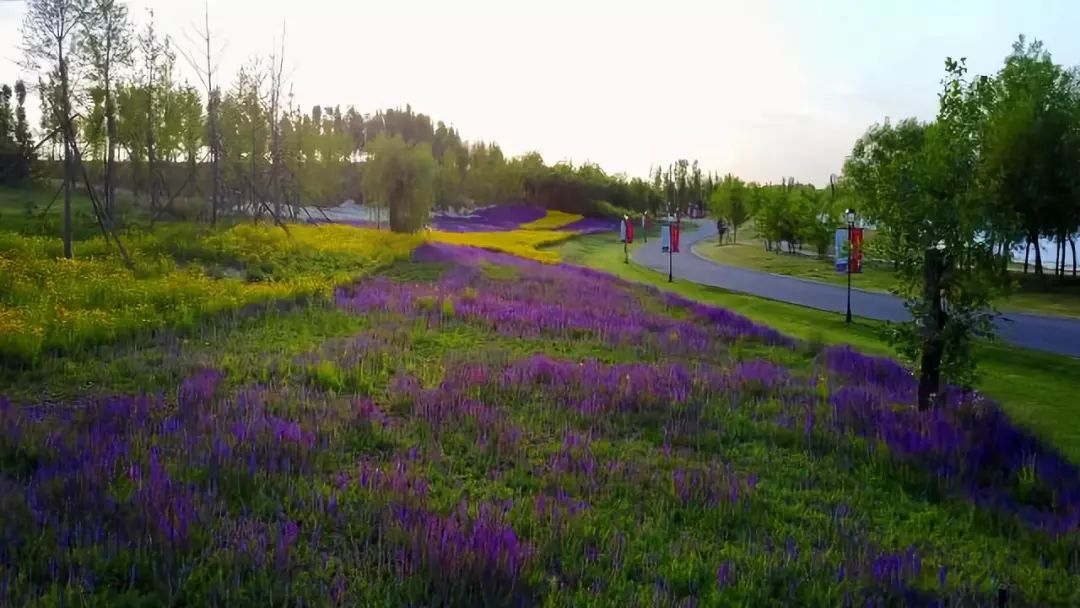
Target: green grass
(1037,389)
(28,211)
(1049,297)
(752,254)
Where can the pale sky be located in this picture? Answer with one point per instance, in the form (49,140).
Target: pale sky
(763,89)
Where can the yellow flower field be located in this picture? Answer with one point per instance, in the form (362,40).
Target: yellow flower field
(552,220)
(182,275)
(522,243)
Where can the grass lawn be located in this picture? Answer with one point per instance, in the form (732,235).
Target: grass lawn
(1030,295)
(1037,389)
(28,211)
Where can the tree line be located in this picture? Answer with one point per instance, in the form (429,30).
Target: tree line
(996,171)
(117,116)
(789,215)
(17,151)
(999,167)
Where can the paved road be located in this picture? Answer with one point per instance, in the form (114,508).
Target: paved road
(1056,335)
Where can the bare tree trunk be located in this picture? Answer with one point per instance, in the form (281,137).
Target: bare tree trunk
(110,155)
(933,342)
(1057,255)
(1027,252)
(68,179)
(69,168)
(1064,239)
(277,68)
(215,156)
(251,177)
(151,152)
(1038,259)
(1072,244)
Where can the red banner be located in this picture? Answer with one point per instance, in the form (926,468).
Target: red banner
(675,237)
(856,249)
(629,230)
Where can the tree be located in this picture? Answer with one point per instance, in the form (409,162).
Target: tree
(277,152)
(17,155)
(52,33)
(876,166)
(206,74)
(920,184)
(403,177)
(9,148)
(731,201)
(1030,149)
(22,128)
(107,44)
(158,62)
(449,181)
(188,109)
(7,118)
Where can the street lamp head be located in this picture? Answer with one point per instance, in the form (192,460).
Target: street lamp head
(850,215)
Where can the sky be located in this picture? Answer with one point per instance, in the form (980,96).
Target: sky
(763,89)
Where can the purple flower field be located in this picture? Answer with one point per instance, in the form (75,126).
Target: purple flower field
(508,433)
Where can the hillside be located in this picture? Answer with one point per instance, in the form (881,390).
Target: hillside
(455,426)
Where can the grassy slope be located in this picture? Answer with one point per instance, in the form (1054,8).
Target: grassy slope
(797,498)
(1030,295)
(1037,389)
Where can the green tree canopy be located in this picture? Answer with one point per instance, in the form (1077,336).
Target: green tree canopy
(731,201)
(401,176)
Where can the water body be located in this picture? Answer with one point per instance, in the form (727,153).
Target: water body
(1049,247)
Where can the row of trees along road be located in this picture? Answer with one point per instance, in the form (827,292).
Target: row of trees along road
(789,215)
(997,168)
(117,117)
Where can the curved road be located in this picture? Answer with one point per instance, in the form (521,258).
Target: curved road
(1051,334)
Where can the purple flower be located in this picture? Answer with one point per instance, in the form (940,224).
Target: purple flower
(724,575)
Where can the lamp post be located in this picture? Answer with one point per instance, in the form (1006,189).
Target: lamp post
(670,260)
(850,215)
(671,256)
(645,226)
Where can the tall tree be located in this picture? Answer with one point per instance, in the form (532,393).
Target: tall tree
(9,149)
(449,180)
(158,61)
(1029,154)
(7,118)
(920,183)
(277,152)
(731,201)
(108,48)
(52,34)
(402,176)
(22,128)
(204,66)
